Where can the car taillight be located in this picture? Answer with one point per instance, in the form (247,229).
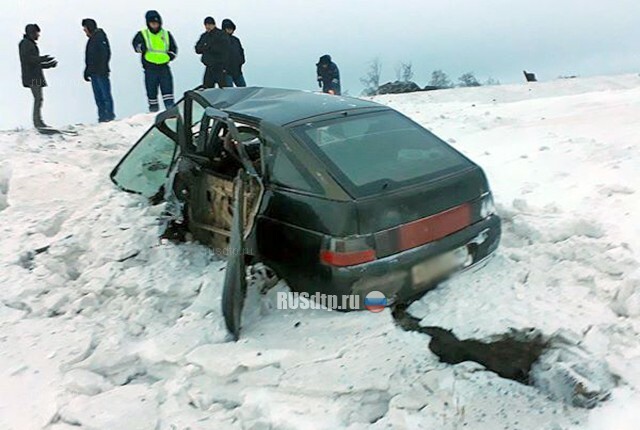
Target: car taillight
(348,251)
(487,207)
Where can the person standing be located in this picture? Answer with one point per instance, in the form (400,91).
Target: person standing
(157,48)
(328,76)
(213,46)
(32,65)
(97,57)
(236,57)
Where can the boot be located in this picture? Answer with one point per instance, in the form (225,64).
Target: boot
(38,122)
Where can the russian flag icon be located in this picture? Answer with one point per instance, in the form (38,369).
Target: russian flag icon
(375,301)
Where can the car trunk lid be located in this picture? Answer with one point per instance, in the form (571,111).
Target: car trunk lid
(416,215)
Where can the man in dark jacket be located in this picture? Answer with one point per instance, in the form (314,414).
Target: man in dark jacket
(236,57)
(213,45)
(32,64)
(97,56)
(157,48)
(328,76)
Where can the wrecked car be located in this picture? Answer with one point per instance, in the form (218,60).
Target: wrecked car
(334,195)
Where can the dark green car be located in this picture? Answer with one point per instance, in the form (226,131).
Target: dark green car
(335,195)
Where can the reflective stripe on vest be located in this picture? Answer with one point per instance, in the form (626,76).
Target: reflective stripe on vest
(157,46)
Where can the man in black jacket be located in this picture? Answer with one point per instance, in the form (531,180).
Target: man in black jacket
(97,56)
(328,75)
(213,45)
(236,57)
(32,65)
(157,48)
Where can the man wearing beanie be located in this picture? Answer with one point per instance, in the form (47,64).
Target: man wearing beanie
(328,75)
(213,45)
(97,57)
(32,65)
(157,49)
(236,57)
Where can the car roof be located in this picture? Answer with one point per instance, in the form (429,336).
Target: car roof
(280,106)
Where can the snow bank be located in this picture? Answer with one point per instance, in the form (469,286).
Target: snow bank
(5,176)
(102,326)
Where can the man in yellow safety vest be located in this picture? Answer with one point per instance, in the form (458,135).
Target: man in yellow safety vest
(157,48)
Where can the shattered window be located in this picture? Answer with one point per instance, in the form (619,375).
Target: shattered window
(172,124)
(197,112)
(145,168)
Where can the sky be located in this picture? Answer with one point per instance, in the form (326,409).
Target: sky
(283,40)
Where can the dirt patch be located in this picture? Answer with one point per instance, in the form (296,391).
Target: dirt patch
(558,366)
(511,355)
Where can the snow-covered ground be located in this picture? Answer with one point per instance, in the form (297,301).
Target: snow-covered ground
(102,326)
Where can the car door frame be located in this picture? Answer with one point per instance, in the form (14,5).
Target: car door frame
(233,133)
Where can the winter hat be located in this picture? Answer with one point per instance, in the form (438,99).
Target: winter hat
(228,24)
(209,20)
(325,59)
(31,30)
(90,25)
(153,16)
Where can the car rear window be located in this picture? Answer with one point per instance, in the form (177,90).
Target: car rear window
(380,151)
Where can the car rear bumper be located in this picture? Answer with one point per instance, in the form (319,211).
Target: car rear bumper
(394,275)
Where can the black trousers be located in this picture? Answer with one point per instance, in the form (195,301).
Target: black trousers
(214,75)
(36,90)
(159,77)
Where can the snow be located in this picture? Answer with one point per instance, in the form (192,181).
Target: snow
(104,326)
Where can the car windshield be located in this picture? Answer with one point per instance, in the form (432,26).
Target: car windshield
(380,151)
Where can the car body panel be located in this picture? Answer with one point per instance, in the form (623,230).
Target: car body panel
(280,106)
(311,212)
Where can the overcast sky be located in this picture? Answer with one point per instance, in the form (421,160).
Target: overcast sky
(284,38)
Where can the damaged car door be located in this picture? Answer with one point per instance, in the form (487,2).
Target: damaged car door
(145,168)
(223,201)
(234,290)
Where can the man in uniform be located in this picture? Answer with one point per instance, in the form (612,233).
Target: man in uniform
(157,48)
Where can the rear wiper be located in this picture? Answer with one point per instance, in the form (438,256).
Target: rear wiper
(383,184)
